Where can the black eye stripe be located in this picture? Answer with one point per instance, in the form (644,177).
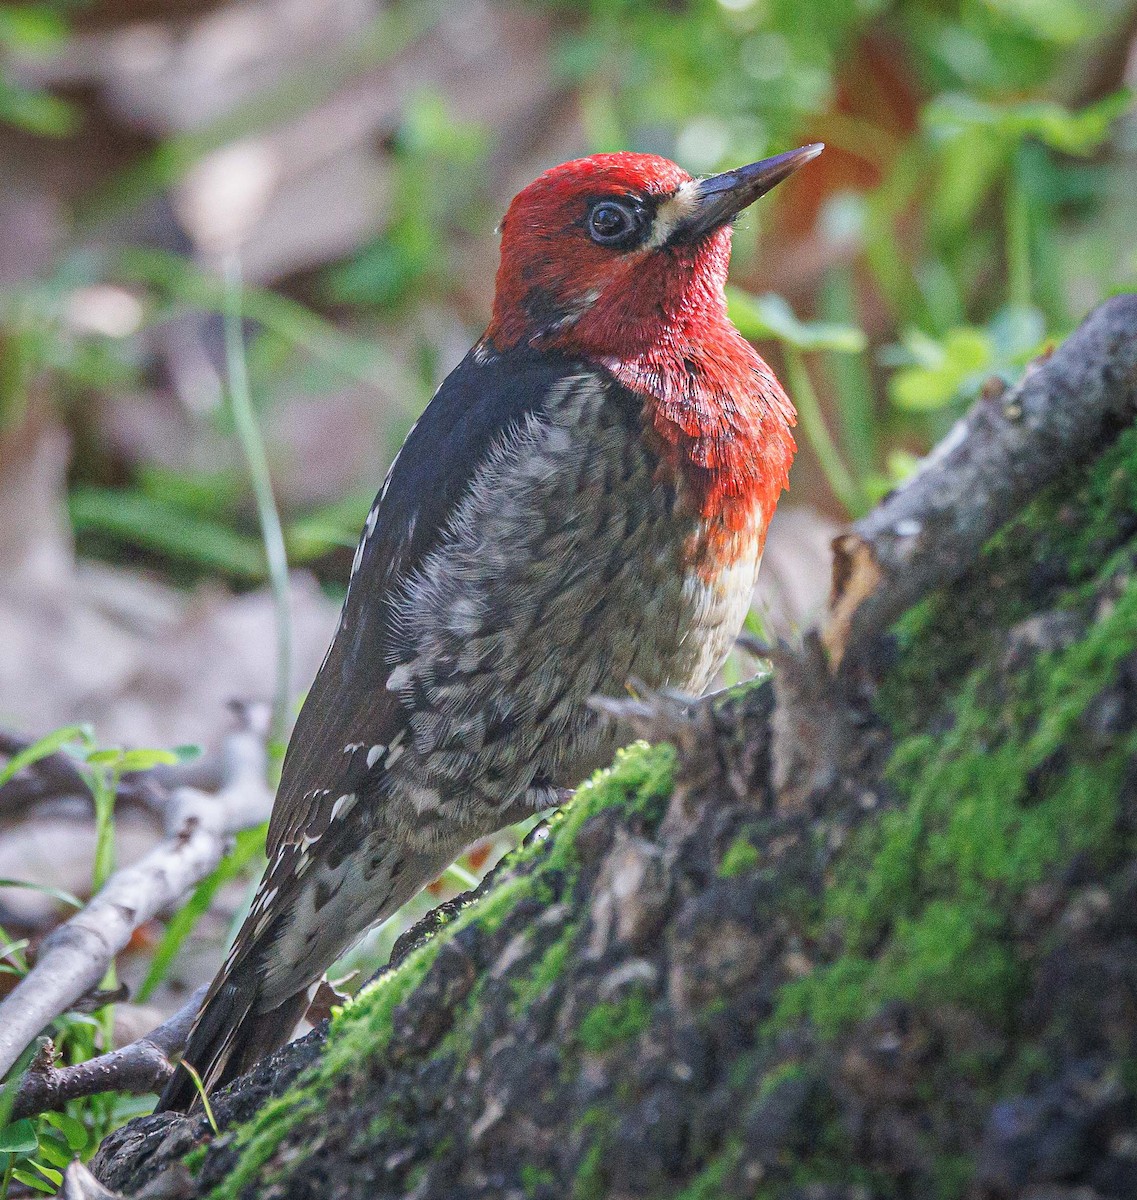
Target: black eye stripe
(618,223)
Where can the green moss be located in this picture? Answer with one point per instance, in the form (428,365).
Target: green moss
(259,1139)
(367,1022)
(951,1176)
(710,1181)
(545,973)
(1127,1072)
(639,781)
(999,784)
(925,895)
(1013,791)
(610,1023)
(786,1072)
(590,1181)
(415,1176)
(741,857)
(533,1178)
(1043,559)
(383,1126)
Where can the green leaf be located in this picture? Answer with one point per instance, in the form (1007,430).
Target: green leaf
(19,1137)
(770,316)
(45,746)
(33,1181)
(53,1149)
(936,373)
(211,494)
(948,369)
(73,1130)
(967,170)
(31,28)
(47,890)
(1061,21)
(158,525)
(104,757)
(331,527)
(49,1173)
(955,115)
(145,760)
(37,112)
(14,946)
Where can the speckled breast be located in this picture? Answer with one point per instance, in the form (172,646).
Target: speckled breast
(571,567)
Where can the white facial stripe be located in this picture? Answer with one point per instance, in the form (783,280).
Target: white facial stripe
(673,210)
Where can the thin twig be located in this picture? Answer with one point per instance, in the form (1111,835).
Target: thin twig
(142,1066)
(75,957)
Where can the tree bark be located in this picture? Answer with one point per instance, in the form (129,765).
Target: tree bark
(902,965)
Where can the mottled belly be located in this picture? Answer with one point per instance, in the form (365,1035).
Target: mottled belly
(568,571)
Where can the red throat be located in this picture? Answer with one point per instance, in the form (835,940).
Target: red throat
(656,318)
(723,424)
(719,417)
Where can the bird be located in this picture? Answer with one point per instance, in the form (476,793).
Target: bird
(583,503)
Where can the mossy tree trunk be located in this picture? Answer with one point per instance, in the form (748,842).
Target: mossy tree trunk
(917,980)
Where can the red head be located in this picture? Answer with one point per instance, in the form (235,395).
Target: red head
(622,259)
(604,255)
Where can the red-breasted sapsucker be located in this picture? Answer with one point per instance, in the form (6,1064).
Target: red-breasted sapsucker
(583,503)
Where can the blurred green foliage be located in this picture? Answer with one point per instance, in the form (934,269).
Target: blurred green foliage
(438,163)
(968,152)
(27,30)
(975,199)
(35,1151)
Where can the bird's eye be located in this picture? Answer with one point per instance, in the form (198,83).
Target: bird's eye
(613,223)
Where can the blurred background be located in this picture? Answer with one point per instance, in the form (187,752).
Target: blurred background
(242,242)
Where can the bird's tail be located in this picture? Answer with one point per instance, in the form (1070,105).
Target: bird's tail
(230,1035)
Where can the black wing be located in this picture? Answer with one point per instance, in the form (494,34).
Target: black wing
(255,1002)
(348,704)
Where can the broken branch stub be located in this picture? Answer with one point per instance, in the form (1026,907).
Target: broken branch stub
(142,1066)
(1011,444)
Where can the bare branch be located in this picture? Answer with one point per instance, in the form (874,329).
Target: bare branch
(1010,445)
(143,1066)
(75,957)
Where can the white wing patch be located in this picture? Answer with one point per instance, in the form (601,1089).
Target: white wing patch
(344,804)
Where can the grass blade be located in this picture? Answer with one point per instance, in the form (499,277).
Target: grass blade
(252,446)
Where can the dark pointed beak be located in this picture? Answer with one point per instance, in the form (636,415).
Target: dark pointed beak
(722,197)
